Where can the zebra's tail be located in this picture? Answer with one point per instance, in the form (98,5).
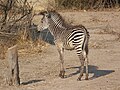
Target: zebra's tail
(86,41)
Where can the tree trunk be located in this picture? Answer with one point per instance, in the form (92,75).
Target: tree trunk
(13,70)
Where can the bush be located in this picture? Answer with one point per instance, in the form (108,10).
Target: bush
(15,21)
(87,4)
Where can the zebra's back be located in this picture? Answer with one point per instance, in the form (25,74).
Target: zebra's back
(76,37)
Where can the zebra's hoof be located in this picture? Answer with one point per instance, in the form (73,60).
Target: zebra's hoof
(62,74)
(86,78)
(79,79)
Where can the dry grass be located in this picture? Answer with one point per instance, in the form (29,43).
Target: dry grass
(6,41)
(29,47)
(24,46)
(87,4)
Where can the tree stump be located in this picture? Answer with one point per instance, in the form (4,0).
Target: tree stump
(13,70)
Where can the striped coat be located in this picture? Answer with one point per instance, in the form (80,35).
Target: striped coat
(67,37)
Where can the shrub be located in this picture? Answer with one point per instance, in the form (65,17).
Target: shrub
(87,4)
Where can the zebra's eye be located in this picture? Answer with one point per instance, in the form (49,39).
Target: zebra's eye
(48,15)
(42,19)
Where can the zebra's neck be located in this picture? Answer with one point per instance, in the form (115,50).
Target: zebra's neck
(56,28)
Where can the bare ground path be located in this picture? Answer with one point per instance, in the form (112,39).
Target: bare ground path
(40,72)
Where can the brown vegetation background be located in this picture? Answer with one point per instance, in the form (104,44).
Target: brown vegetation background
(16,18)
(87,4)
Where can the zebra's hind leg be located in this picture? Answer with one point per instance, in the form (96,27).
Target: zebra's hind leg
(82,67)
(86,63)
(62,70)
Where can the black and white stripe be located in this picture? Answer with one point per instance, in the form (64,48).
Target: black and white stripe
(67,37)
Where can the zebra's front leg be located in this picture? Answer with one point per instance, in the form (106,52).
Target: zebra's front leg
(62,70)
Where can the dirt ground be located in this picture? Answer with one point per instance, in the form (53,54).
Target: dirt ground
(40,71)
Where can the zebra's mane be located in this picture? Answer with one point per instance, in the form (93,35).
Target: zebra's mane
(62,22)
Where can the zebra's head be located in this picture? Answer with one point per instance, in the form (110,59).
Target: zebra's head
(51,18)
(45,19)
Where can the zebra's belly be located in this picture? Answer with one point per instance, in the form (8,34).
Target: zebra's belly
(69,46)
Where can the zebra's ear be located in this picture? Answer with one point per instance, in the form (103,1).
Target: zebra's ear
(42,13)
(45,13)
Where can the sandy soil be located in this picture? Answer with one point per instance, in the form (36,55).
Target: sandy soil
(40,71)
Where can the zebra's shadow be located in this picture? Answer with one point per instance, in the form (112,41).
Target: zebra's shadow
(46,36)
(92,70)
(32,81)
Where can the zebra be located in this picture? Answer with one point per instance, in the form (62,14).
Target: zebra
(67,37)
